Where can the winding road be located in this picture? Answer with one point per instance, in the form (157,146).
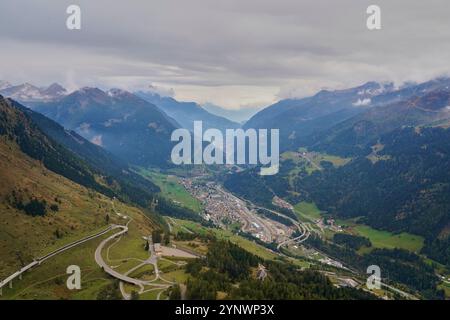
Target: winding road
(42,259)
(125,277)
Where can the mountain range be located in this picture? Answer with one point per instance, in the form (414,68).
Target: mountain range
(354,135)
(395,176)
(27,92)
(301,120)
(127,126)
(185,113)
(135,127)
(237,115)
(57,148)
(68,154)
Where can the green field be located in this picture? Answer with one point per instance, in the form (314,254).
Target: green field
(300,160)
(379,238)
(388,240)
(178,276)
(307,210)
(48,281)
(172,189)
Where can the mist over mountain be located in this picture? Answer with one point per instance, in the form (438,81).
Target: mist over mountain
(28,93)
(396,174)
(185,113)
(70,155)
(301,121)
(4,84)
(122,123)
(237,115)
(299,118)
(426,105)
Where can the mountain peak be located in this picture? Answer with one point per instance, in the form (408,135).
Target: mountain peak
(89,90)
(4,84)
(28,92)
(118,93)
(55,89)
(432,101)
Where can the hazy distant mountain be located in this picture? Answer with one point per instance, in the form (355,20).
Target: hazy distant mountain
(21,129)
(70,155)
(27,92)
(47,190)
(185,113)
(54,90)
(354,135)
(4,84)
(124,124)
(300,119)
(237,115)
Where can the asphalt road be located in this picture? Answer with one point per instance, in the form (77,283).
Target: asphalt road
(40,260)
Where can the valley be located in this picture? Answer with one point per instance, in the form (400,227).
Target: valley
(152,230)
(178,152)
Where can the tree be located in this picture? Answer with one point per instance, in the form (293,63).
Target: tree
(175,293)
(134,295)
(110,292)
(156,236)
(35,207)
(58,234)
(166,238)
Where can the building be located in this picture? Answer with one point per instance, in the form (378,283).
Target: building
(157,248)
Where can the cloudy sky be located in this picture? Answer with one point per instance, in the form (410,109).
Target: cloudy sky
(233,53)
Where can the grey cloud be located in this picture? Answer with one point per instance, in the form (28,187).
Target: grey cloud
(279,48)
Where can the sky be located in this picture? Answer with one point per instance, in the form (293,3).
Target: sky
(233,53)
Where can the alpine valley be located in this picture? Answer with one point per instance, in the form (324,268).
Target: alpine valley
(87,180)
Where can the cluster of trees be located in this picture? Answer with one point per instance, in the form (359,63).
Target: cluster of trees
(34,206)
(158,236)
(351,241)
(406,190)
(439,250)
(229,269)
(250,186)
(404,187)
(70,155)
(287,283)
(184,236)
(396,265)
(168,208)
(110,292)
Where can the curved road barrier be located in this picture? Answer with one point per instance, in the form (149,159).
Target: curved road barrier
(40,260)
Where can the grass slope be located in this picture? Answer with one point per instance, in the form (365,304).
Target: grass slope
(172,189)
(81,212)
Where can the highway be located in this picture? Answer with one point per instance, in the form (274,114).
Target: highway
(40,260)
(302,228)
(301,238)
(125,277)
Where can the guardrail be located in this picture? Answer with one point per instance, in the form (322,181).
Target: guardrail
(38,261)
